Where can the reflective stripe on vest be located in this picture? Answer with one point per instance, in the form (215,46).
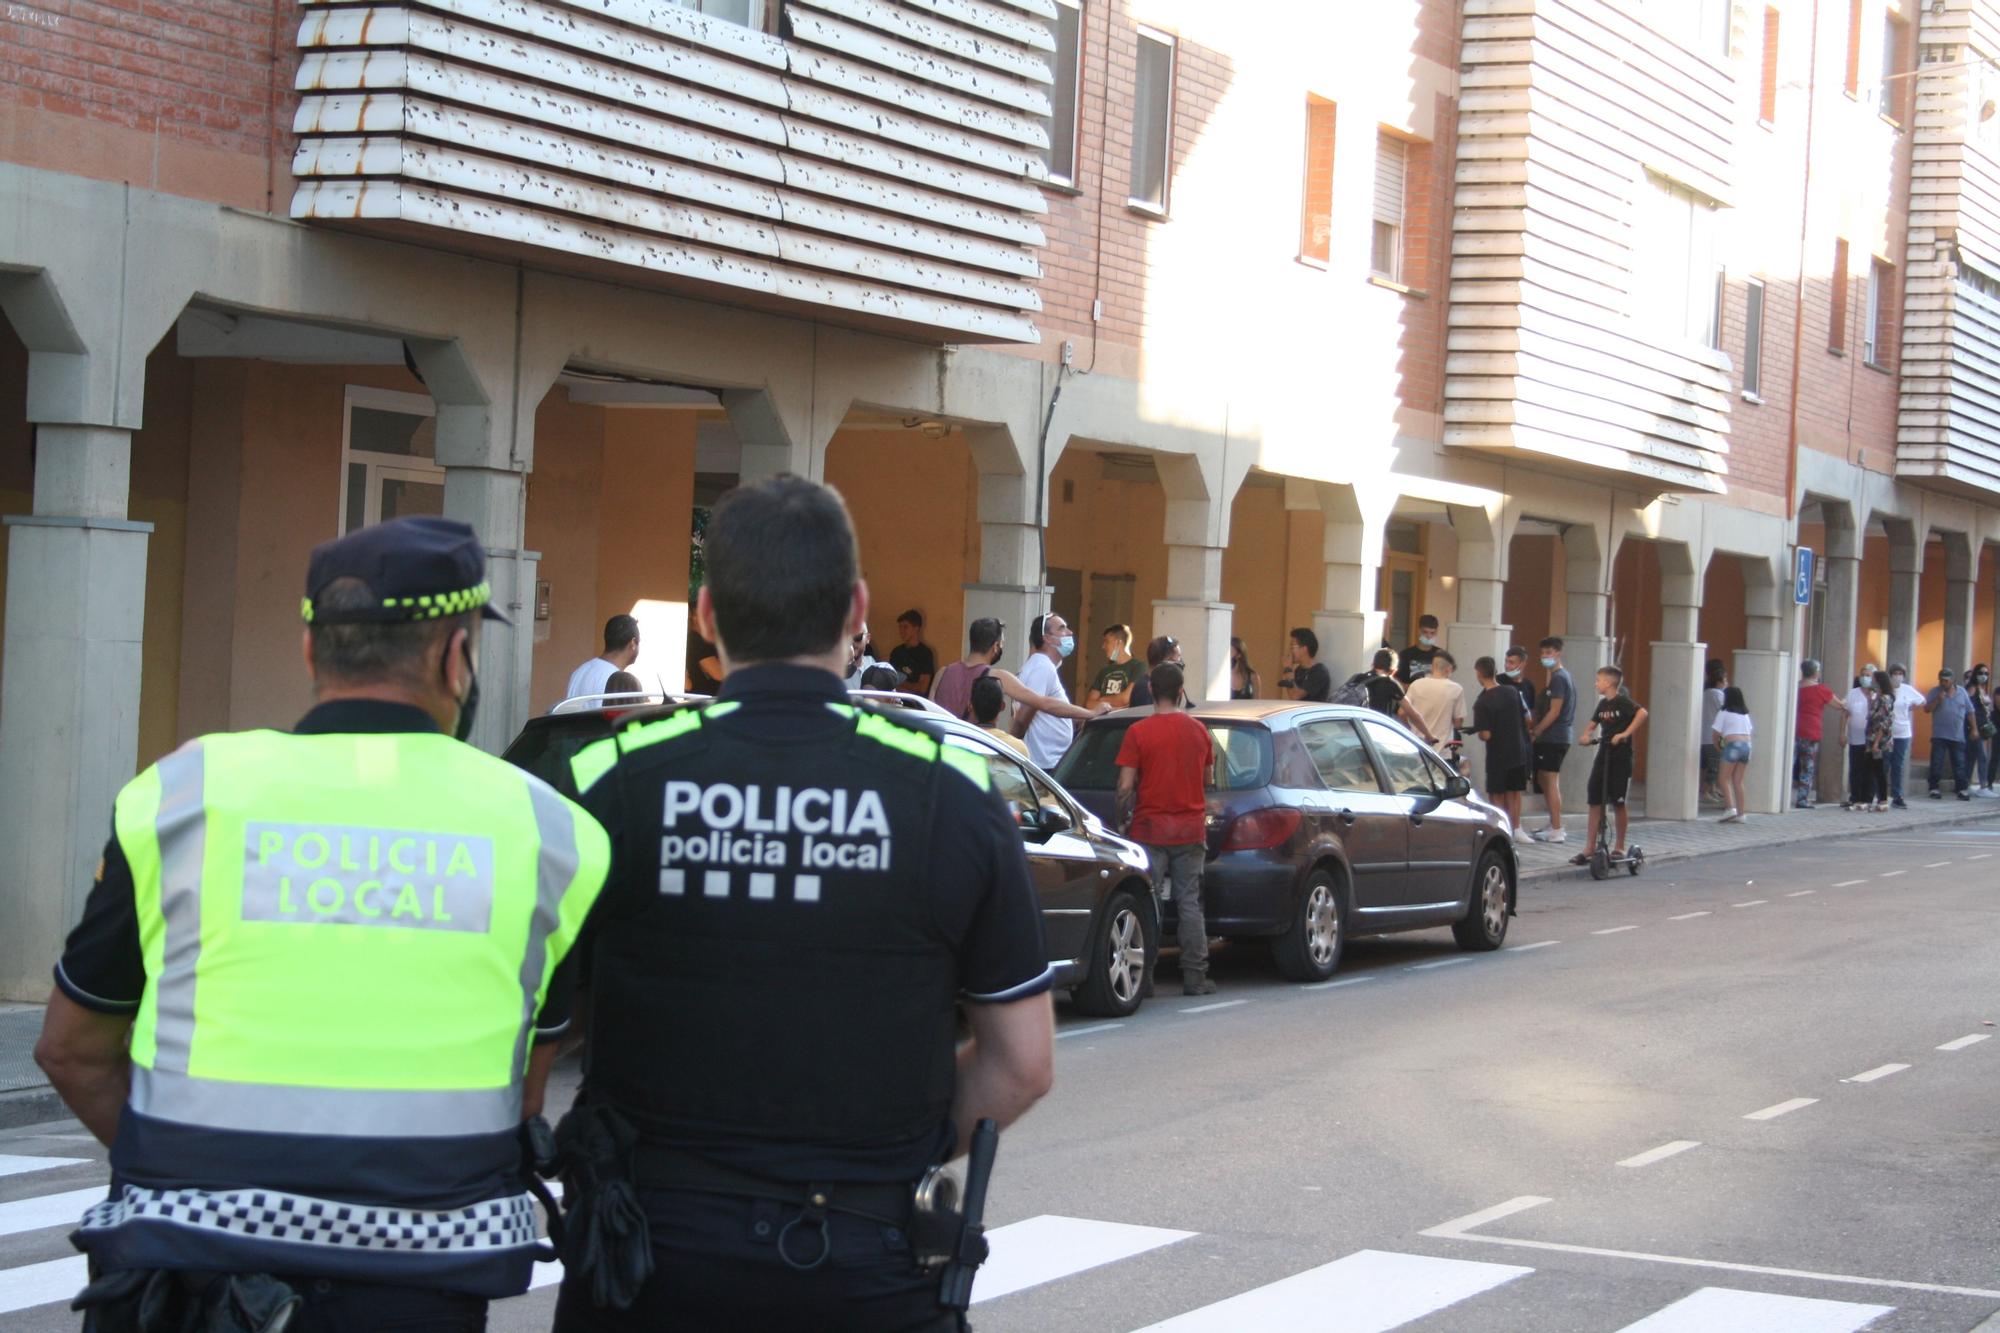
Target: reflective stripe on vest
(347,935)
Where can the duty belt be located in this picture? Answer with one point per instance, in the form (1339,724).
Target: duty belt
(655,1166)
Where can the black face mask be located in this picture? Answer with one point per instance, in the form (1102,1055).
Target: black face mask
(468,707)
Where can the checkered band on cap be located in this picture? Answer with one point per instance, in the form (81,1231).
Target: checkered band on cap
(268,1215)
(428,606)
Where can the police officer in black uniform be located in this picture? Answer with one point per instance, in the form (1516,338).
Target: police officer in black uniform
(802,892)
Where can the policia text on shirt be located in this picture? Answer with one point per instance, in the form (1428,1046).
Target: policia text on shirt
(801,893)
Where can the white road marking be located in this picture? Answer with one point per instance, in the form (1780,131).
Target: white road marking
(1219,1004)
(42,1284)
(1329,985)
(1879,1071)
(1754,902)
(1725,1310)
(1689,916)
(1849,883)
(1538,944)
(47,1210)
(18,1166)
(1964,1042)
(1459,1225)
(1981,857)
(1462,1229)
(1661,1153)
(1042,1249)
(1936,865)
(1782,1108)
(1442,962)
(1891,874)
(546,1275)
(1802,893)
(1615,930)
(1085,1032)
(1369,1291)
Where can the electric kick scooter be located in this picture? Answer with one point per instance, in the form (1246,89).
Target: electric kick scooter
(1602,861)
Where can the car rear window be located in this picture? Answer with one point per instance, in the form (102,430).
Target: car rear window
(546,750)
(1242,757)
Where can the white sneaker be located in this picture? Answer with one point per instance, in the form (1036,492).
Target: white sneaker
(1730,816)
(1549,835)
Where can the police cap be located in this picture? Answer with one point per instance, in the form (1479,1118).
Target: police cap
(419,568)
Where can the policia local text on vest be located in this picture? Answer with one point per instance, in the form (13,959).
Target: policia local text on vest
(334,951)
(801,894)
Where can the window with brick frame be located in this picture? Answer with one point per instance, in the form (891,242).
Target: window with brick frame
(1767,83)
(1152,122)
(1753,338)
(1852,81)
(1836,324)
(1385,245)
(1878,333)
(1316,205)
(1895,68)
(1065,92)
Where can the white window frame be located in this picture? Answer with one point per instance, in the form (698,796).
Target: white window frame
(1699,271)
(1753,336)
(1068,179)
(381,467)
(1871,327)
(760,13)
(1398,223)
(1173,45)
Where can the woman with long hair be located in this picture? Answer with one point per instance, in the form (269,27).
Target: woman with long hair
(1979,684)
(1881,741)
(1732,732)
(1243,681)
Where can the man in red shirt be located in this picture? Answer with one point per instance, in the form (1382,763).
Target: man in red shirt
(1162,803)
(1814,700)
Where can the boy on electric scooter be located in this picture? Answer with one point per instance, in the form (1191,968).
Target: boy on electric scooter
(1616,720)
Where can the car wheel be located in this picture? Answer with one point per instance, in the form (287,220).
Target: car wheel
(1485,926)
(1119,958)
(1310,950)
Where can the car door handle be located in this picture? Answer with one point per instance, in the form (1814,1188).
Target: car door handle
(1346,816)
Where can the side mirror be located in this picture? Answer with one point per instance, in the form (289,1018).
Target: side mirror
(1458,788)
(1053,821)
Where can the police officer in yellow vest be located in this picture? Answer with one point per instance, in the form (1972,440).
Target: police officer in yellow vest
(337,955)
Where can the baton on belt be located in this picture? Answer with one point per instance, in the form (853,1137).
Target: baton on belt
(955,1290)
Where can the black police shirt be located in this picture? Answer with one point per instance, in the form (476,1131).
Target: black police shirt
(982,903)
(103,966)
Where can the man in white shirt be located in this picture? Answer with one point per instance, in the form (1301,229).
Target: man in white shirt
(1437,699)
(621,650)
(1908,697)
(1048,733)
(1858,700)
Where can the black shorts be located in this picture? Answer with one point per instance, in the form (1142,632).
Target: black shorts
(1549,756)
(1502,780)
(1611,776)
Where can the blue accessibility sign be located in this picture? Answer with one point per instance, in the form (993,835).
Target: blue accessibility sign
(1802,577)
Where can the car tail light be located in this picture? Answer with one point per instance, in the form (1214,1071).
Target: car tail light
(1261,828)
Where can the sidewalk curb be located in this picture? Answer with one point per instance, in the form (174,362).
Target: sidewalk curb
(1809,834)
(30,1106)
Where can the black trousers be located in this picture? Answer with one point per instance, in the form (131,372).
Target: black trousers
(717,1270)
(338,1306)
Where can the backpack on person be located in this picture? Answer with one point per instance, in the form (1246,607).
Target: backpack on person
(1354,693)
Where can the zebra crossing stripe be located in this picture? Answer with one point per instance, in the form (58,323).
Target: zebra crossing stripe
(1042,1249)
(47,1210)
(1370,1291)
(1726,1310)
(18,1166)
(42,1284)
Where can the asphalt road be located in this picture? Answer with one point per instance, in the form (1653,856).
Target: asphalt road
(1736,1094)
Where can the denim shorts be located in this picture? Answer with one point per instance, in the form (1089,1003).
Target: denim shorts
(1736,752)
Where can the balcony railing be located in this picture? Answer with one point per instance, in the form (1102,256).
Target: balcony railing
(876,165)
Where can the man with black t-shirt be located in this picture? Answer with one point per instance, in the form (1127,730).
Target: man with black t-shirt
(1415,662)
(1308,680)
(1616,722)
(1498,718)
(913,659)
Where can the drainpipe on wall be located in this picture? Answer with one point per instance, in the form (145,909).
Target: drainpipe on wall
(1799,292)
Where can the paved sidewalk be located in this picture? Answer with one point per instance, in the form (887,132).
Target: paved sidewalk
(1668,840)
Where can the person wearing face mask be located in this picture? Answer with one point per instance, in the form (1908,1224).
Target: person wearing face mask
(353,969)
(1165,648)
(1048,731)
(986,639)
(1979,685)
(1415,662)
(1860,773)
(1905,698)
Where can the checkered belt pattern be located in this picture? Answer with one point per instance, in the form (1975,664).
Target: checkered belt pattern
(267,1215)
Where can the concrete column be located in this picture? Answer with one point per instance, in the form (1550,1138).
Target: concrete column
(1194,613)
(1673,756)
(1477,631)
(69,700)
(494,502)
(1961,601)
(1838,667)
(1010,587)
(1350,624)
(1906,569)
(777,436)
(1770,686)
